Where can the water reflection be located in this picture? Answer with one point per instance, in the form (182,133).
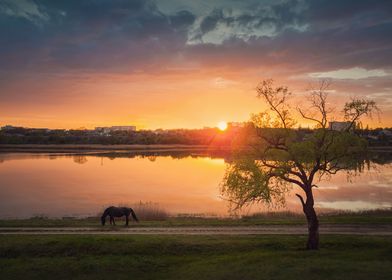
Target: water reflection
(181,182)
(80,159)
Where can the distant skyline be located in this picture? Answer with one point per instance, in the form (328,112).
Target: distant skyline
(184,63)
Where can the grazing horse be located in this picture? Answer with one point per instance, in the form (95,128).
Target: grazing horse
(118,212)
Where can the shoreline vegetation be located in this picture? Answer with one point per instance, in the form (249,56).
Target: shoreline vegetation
(58,148)
(106,147)
(156,217)
(12,137)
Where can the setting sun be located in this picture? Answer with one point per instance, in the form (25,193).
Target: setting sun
(222,125)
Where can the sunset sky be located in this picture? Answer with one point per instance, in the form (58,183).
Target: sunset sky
(184,63)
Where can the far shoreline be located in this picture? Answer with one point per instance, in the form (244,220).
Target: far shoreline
(58,148)
(38,148)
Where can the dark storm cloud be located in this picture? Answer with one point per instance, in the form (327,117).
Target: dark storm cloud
(308,36)
(119,35)
(209,22)
(90,34)
(275,17)
(182,19)
(326,10)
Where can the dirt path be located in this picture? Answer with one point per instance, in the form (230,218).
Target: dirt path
(213,230)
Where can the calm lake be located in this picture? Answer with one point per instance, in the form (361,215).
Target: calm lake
(58,185)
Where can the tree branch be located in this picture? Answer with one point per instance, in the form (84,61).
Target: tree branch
(301,199)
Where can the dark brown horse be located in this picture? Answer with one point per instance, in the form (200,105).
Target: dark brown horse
(118,212)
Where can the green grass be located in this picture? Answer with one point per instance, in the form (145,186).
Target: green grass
(286,218)
(193,257)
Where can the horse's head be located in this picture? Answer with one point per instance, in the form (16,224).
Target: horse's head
(133,215)
(103,220)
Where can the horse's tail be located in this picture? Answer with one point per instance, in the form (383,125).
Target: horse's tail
(133,215)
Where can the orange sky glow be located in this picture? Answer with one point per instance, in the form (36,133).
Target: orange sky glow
(184,64)
(150,102)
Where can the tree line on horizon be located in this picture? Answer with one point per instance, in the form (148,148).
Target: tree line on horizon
(205,136)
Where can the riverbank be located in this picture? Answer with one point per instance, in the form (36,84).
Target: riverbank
(98,147)
(75,148)
(194,257)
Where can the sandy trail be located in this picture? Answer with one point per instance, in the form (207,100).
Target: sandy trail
(212,230)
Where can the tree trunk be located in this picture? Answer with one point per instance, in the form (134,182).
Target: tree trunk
(313,227)
(311,217)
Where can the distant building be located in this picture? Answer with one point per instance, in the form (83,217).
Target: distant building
(386,132)
(123,128)
(10,127)
(161,131)
(105,129)
(236,124)
(340,126)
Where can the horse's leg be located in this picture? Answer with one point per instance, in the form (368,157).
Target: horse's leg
(111,220)
(126,220)
(114,223)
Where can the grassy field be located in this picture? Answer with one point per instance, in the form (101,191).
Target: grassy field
(193,257)
(274,218)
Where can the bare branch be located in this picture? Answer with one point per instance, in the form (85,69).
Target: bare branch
(301,199)
(308,117)
(318,101)
(357,108)
(276,98)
